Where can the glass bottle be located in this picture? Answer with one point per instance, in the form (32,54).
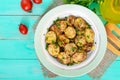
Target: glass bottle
(110,10)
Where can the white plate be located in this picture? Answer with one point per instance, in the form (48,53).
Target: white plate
(100,38)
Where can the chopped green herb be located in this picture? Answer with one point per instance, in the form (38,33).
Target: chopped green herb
(60,43)
(58,25)
(63,57)
(80,43)
(88,36)
(56,45)
(70,64)
(89,26)
(77,31)
(56,20)
(53,42)
(65,17)
(73,49)
(46,38)
(94,10)
(46,45)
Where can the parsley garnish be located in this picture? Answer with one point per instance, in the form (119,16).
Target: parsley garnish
(46,45)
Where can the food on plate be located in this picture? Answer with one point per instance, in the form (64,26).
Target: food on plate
(70,48)
(89,34)
(79,57)
(50,37)
(53,49)
(69,40)
(63,58)
(80,40)
(70,32)
(63,40)
(61,25)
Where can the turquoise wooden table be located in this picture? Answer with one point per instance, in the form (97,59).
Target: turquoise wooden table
(18,59)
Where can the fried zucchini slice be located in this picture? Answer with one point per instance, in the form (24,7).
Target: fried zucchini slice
(70,48)
(79,57)
(89,35)
(80,41)
(70,32)
(63,58)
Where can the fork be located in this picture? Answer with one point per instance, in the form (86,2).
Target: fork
(113,35)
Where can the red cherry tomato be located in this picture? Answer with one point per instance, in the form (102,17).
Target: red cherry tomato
(26,5)
(37,1)
(23,29)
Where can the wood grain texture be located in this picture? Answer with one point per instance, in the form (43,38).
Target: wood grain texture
(17,49)
(20,70)
(12,7)
(9,27)
(31,70)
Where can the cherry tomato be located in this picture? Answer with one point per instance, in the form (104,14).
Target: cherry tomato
(37,1)
(23,29)
(26,5)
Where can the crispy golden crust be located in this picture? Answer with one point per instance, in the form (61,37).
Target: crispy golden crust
(89,35)
(79,57)
(62,40)
(70,48)
(61,25)
(53,50)
(80,41)
(70,32)
(64,58)
(50,37)
(80,23)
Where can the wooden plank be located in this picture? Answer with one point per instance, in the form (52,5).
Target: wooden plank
(12,7)
(9,26)
(17,49)
(20,70)
(31,69)
(28,69)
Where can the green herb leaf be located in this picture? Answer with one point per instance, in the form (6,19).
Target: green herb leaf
(63,57)
(88,36)
(56,45)
(53,42)
(70,64)
(85,3)
(58,19)
(46,45)
(73,49)
(58,25)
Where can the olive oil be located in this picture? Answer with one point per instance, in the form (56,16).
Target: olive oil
(110,10)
